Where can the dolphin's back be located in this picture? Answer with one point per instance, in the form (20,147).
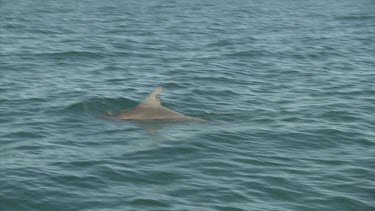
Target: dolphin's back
(150,108)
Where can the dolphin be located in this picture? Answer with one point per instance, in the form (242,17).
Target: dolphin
(151,109)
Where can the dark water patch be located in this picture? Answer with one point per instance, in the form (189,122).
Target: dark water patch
(250,54)
(78,163)
(221,43)
(164,153)
(164,178)
(49,31)
(120,174)
(334,161)
(24,134)
(148,203)
(76,55)
(117,80)
(19,101)
(356,171)
(315,55)
(343,202)
(228,208)
(99,106)
(81,182)
(341,116)
(356,17)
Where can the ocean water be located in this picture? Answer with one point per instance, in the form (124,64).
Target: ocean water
(287,87)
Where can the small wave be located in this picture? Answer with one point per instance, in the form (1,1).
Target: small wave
(231,42)
(71,54)
(25,134)
(98,106)
(249,53)
(356,17)
(221,43)
(148,203)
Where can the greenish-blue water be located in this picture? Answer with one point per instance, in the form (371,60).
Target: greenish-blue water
(288,88)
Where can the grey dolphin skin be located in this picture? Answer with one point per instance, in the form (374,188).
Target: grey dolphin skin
(151,109)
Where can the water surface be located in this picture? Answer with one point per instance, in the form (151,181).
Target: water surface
(287,87)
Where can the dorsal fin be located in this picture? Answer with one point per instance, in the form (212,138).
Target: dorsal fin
(151,100)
